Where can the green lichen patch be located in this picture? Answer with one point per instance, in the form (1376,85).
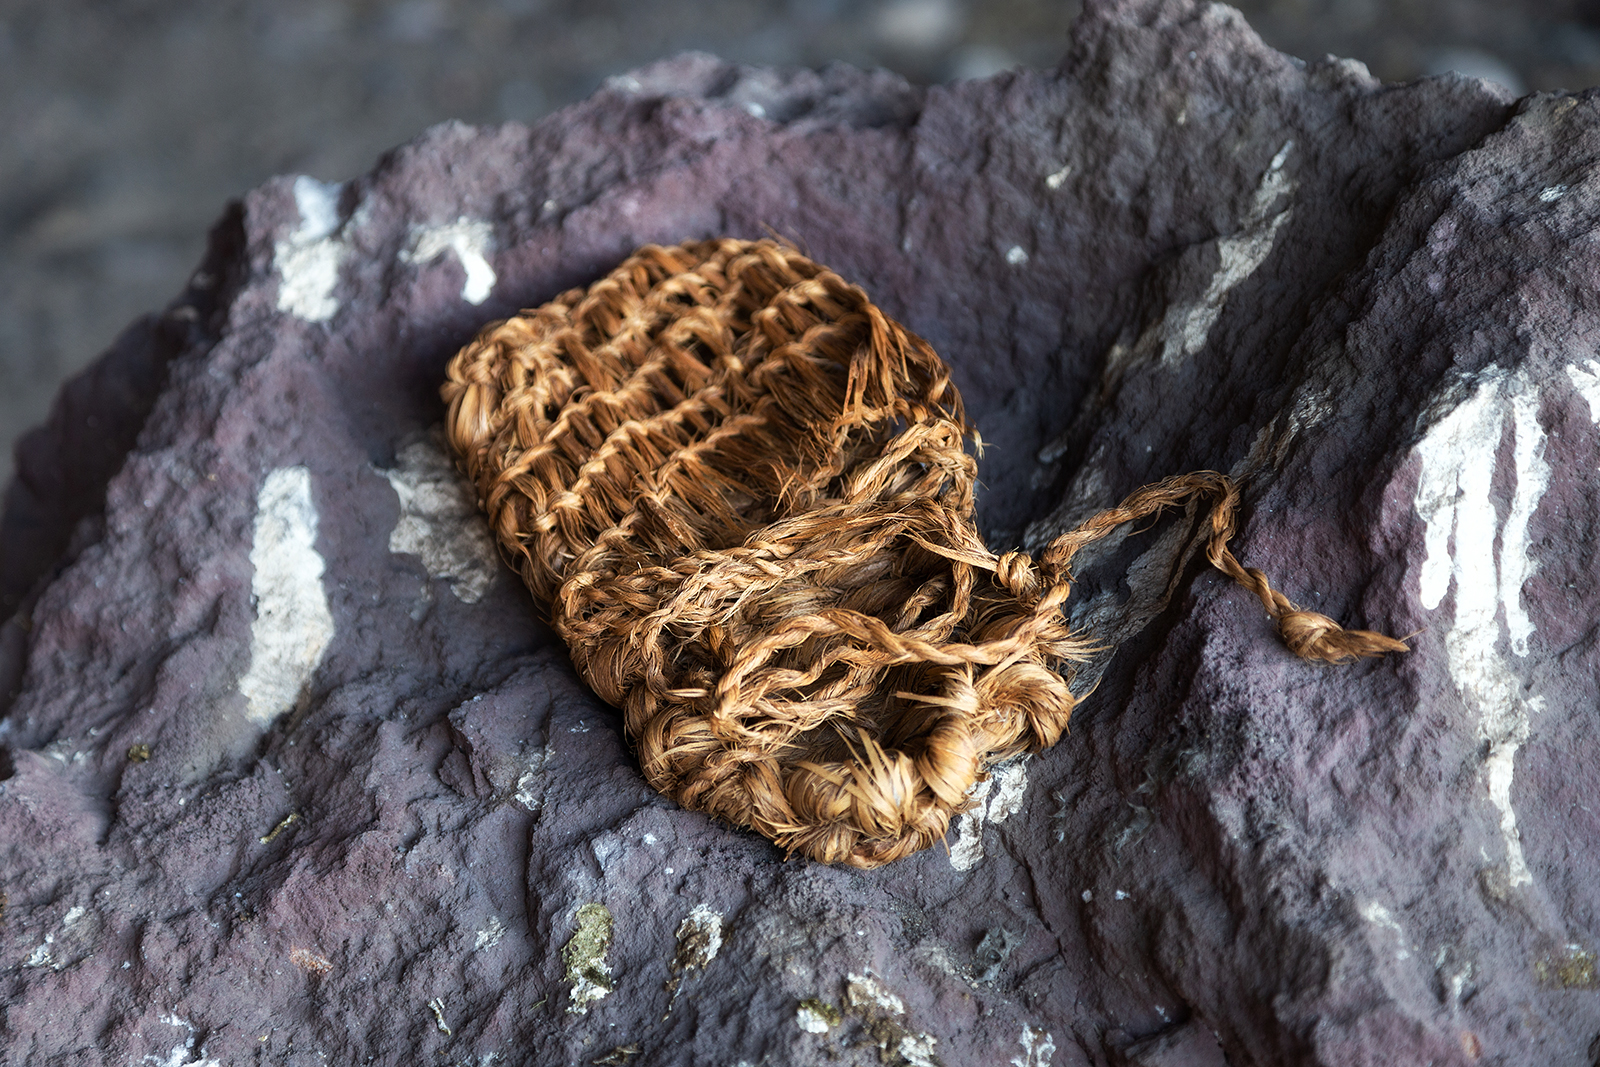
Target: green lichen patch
(1571,967)
(585,957)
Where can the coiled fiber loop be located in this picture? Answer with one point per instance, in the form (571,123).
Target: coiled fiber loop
(743,495)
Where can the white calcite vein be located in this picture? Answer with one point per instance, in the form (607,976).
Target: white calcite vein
(439,522)
(471,240)
(293,626)
(1458,454)
(308,260)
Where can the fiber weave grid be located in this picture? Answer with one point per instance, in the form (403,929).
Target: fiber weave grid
(743,495)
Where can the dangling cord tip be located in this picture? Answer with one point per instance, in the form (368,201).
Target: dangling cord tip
(1308,634)
(1313,636)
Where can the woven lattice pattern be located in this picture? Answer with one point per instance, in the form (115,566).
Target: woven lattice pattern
(743,495)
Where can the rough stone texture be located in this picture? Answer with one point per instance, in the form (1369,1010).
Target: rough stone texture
(286,777)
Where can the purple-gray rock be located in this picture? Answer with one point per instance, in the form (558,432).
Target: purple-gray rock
(293,773)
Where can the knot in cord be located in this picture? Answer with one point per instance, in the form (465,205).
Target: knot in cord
(742,493)
(1313,636)
(1014,570)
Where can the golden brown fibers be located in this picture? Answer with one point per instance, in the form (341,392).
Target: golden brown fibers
(742,494)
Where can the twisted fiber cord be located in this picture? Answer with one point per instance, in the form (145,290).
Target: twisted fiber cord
(742,493)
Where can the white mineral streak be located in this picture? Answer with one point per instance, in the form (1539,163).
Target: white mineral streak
(1380,916)
(811,1020)
(586,989)
(994,800)
(471,240)
(440,523)
(1037,1048)
(42,956)
(1311,406)
(1517,564)
(941,959)
(917,1050)
(1453,497)
(307,261)
(182,1055)
(293,625)
(1182,331)
(865,991)
(1586,380)
(1186,326)
(530,783)
(493,932)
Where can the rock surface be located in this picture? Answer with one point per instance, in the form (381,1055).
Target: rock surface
(293,773)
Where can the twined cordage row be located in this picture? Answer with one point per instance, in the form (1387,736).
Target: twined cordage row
(743,495)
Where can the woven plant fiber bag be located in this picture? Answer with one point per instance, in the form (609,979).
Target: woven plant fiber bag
(744,497)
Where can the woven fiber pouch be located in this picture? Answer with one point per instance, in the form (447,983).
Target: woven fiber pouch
(743,495)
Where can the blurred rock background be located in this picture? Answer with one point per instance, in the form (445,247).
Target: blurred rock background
(125,125)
